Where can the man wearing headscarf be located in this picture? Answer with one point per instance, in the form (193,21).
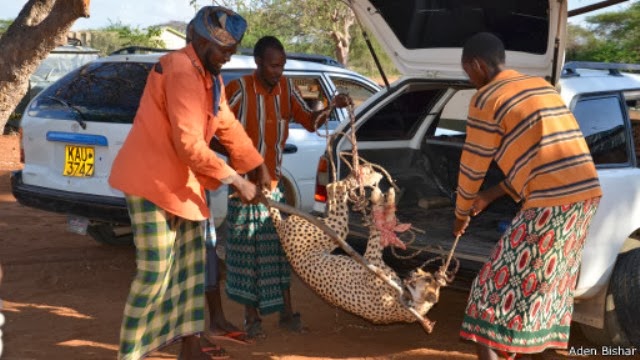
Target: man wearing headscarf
(163,168)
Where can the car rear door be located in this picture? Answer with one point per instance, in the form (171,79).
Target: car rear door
(425,38)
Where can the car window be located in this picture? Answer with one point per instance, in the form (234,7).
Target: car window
(57,65)
(602,123)
(313,92)
(453,120)
(115,93)
(400,118)
(357,91)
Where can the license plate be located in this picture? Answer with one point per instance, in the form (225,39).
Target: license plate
(79,161)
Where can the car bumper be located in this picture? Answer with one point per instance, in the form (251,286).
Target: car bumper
(94,207)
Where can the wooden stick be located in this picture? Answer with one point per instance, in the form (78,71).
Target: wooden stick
(453,248)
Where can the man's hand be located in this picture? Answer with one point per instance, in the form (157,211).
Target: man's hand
(342,100)
(248,191)
(460,226)
(485,198)
(480,203)
(260,176)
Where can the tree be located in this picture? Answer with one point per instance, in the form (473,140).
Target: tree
(117,35)
(304,26)
(4,25)
(608,37)
(40,26)
(313,26)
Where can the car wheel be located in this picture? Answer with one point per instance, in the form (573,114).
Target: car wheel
(625,286)
(106,234)
(622,306)
(289,193)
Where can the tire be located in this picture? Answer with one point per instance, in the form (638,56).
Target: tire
(289,193)
(625,287)
(105,234)
(622,306)
(612,333)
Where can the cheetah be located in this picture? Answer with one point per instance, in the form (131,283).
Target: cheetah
(340,279)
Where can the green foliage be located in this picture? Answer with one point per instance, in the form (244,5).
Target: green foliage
(305,27)
(4,25)
(116,36)
(608,37)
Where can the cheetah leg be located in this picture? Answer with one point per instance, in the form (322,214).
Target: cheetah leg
(374,248)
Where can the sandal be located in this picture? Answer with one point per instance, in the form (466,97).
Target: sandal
(293,323)
(239,337)
(254,329)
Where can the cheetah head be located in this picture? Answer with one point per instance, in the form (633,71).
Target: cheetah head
(422,289)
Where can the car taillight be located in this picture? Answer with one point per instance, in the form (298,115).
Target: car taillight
(21,145)
(322,179)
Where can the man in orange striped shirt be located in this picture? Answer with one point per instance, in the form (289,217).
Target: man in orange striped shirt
(522,299)
(265,102)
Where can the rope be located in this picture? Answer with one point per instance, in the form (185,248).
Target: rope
(358,198)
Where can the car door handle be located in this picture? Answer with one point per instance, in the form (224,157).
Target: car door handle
(290,149)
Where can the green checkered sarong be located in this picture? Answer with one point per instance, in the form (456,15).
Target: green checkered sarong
(166,300)
(257,267)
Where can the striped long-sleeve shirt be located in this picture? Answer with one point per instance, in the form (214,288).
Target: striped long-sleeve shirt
(266,115)
(522,123)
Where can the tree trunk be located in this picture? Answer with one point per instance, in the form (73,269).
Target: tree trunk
(39,28)
(342,21)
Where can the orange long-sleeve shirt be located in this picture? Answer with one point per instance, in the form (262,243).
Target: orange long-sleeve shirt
(522,123)
(166,157)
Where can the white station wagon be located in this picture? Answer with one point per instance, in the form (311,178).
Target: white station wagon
(72,131)
(415,129)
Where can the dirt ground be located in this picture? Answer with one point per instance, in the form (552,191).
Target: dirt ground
(64,295)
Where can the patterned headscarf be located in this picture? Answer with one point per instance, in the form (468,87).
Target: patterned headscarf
(220,25)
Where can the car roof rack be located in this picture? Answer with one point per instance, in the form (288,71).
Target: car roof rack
(322,59)
(570,69)
(139,50)
(317,58)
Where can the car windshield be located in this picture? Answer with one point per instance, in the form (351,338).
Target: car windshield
(56,65)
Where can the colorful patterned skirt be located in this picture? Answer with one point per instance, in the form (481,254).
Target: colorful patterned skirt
(522,299)
(166,300)
(257,267)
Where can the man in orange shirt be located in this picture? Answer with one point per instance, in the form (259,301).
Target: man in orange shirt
(163,168)
(522,299)
(258,274)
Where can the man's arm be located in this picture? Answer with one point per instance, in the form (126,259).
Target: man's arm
(483,139)
(189,112)
(311,120)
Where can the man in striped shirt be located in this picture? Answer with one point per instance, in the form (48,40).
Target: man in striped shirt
(258,274)
(522,299)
